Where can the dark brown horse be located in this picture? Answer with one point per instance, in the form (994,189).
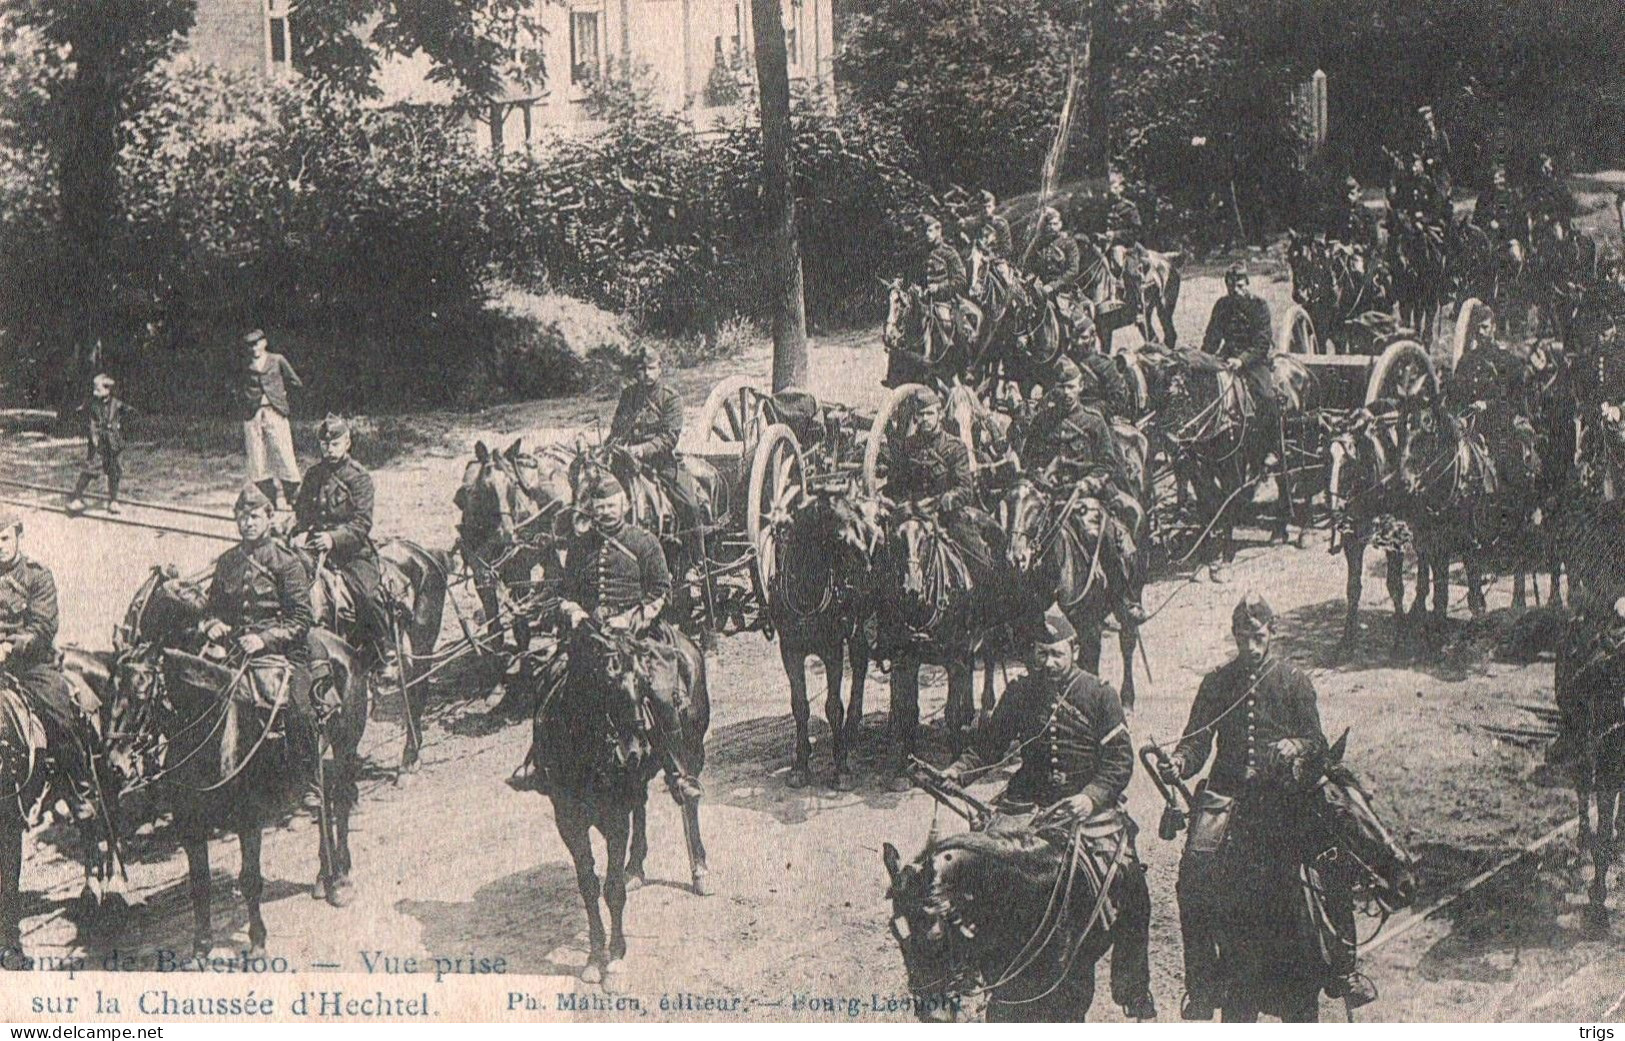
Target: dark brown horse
(595,743)
(1589,676)
(1055,542)
(1010,916)
(1366,498)
(222,745)
(820,597)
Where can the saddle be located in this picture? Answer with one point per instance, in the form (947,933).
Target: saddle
(20,723)
(332,603)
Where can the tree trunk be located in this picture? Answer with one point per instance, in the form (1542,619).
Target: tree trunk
(778,189)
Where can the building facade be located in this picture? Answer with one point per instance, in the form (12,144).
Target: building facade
(698,54)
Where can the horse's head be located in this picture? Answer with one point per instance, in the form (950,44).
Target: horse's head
(543,475)
(904,315)
(623,671)
(934,921)
(1026,507)
(491,500)
(1355,459)
(1386,872)
(853,523)
(912,541)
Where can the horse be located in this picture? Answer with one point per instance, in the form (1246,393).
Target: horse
(594,743)
(820,597)
(1418,252)
(1218,450)
(1287,878)
(213,738)
(413,582)
(1102,284)
(1023,333)
(1009,915)
(1336,283)
(942,608)
(1590,673)
(1054,548)
(1366,498)
(28,780)
(502,536)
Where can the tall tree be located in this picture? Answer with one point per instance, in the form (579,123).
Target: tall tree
(779,192)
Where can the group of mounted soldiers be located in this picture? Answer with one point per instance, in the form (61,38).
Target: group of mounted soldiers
(1254,725)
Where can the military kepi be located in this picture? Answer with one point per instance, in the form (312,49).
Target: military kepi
(333,428)
(251,499)
(601,487)
(1253,614)
(1056,627)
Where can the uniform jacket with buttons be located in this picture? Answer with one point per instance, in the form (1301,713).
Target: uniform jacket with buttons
(1072,735)
(269,387)
(263,589)
(1056,262)
(105,423)
(336,499)
(648,421)
(1079,437)
(1239,327)
(28,613)
(615,571)
(1273,703)
(945,275)
(922,467)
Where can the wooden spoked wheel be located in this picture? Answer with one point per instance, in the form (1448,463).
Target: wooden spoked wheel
(731,410)
(888,424)
(1403,374)
(778,474)
(1472,312)
(1296,333)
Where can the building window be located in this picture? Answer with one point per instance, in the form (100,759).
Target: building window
(278,36)
(585,53)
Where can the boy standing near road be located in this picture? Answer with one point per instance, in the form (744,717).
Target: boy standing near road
(105,434)
(264,409)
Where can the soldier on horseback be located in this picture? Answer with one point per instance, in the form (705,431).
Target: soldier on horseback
(1351,223)
(1238,331)
(648,423)
(1071,438)
(615,573)
(993,232)
(333,520)
(28,624)
(1053,259)
(1488,377)
(1076,762)
(1260,711)
(1123,236)
(943,273)
(260,595)
(930,468)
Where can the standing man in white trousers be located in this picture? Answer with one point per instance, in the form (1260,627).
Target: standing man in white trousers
(267,438)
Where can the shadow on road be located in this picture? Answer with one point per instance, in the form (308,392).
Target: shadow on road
(1313,636)
(531,918)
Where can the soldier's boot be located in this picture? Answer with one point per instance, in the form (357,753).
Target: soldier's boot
(1117,560)
(1356,990)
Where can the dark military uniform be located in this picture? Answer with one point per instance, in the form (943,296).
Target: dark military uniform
(944,276)
(608,573)
(1248,797)
(938,466)
(1078,438)
(1239,327)
(1073,741)
(336,500)
(264,589)
(1123,224)
(648,421)
(1056,263)
(28,622)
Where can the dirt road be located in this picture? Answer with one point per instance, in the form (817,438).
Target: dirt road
(456,863)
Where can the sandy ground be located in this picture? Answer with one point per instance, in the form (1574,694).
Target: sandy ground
(456,862)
